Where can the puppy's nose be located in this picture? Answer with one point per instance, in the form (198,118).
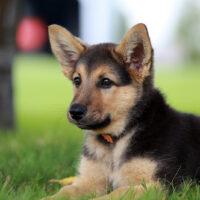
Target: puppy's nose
(77,111)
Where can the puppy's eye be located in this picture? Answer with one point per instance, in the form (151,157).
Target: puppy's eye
(77,81)
(105,83)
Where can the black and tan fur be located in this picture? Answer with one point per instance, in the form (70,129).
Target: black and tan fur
(151,141)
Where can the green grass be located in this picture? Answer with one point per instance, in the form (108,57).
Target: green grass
(44,144)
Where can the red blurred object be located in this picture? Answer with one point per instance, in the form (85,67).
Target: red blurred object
(31,34)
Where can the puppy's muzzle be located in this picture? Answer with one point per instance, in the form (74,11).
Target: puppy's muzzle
(77,111)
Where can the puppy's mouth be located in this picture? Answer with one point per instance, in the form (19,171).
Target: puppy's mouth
(94,125)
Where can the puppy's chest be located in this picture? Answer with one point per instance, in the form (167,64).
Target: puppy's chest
(110,156)
(117,159)
(121,172)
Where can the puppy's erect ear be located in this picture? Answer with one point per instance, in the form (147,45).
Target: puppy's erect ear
(66,48)
(136,51)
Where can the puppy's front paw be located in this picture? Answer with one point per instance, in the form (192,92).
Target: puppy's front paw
(67,191)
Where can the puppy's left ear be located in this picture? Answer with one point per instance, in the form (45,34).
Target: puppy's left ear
(136,51)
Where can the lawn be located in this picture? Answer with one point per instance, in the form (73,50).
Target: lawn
(44,144)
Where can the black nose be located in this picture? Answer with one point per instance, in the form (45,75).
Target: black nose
(77,111)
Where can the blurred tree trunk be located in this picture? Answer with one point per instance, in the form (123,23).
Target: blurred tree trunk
(6,97)
(8,20)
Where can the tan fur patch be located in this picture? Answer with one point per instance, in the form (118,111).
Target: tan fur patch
(93,176)
(120,148)
(118,101)
(135,172)
(81,70)
(103,70)
(81,93)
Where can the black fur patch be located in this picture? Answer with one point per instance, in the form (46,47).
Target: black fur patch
(99,125)
(169,137)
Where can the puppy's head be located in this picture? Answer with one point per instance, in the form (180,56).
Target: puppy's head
(108,79)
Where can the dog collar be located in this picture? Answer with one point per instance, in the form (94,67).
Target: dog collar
(107,137)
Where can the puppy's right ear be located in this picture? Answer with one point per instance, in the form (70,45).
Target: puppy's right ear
(66,48)
(137,52)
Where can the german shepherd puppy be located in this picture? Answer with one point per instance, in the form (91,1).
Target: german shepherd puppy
(132,134)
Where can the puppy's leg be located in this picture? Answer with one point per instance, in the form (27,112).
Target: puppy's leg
(92,178)
(119,192)
(126,192)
